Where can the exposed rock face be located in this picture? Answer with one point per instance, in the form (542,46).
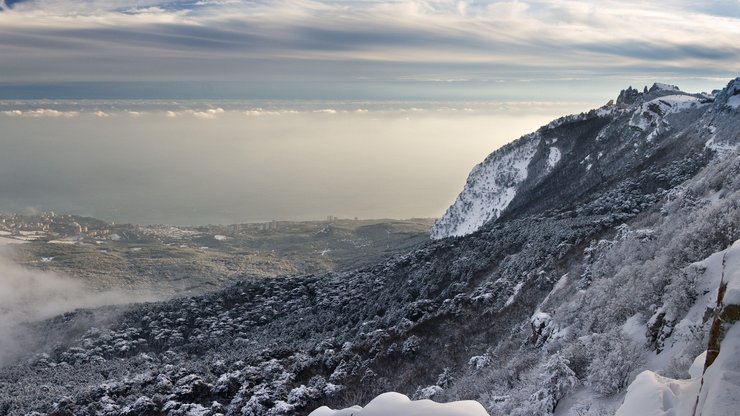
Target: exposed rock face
(628,96)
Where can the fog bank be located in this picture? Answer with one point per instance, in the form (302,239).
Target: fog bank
(28,296)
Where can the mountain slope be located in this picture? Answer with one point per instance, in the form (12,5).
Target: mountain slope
(571,156)
(587,277)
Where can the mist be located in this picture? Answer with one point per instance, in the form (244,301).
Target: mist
(28,296)
(188,165)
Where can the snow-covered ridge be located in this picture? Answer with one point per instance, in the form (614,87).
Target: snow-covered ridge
(490,187)
(640,118)
(649,115)
(664,87)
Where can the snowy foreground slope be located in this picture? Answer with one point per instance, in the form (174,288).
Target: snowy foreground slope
(713,391)
(398,404)
(602,266)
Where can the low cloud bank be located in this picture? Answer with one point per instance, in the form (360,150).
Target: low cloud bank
(28,296)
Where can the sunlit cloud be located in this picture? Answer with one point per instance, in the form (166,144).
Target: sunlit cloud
(40,112)
(208,114)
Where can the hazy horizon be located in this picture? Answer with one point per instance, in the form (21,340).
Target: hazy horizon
(195,163)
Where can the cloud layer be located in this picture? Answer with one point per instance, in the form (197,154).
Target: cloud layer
(371,43)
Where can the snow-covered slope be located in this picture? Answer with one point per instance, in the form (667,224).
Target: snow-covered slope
(710,392)
(490,188)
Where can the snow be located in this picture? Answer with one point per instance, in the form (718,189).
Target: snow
(430,391)
(697,367)
(665,87)
(725,262)
(605,111)
(717,143)
(644,116)
(719,392)
(479,361)
(720,147)
(490,188)
(654,395)
(553,157)
(220,237)
(731,271)
(516,290)
(707,284)
(559,285)
(734,101)
(634,328)
(540,317)
(397,404)
(678,101)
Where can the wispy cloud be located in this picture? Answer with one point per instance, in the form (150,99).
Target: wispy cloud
(341,41)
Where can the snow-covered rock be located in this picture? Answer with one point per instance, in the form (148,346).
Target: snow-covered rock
(721,382)
(397,404)
(731,276)
(653,395)
(659,86)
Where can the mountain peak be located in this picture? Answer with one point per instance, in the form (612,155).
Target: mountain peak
(659,86)
(574,154)
(628,96)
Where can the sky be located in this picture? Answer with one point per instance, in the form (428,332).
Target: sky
(223,111)
(362,49)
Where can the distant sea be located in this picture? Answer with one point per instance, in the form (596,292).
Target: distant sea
(200,162)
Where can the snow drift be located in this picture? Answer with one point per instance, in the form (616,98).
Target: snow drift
(399,405)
